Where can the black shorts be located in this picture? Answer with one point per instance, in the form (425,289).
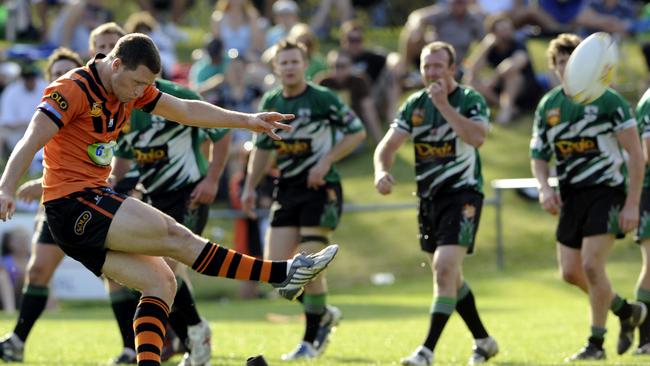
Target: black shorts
(643,231)
(587,212)
(42,233)
(80,221)
(177,205)
(297,205)
(449,219)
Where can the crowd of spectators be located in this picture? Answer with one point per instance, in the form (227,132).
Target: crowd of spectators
(489,38)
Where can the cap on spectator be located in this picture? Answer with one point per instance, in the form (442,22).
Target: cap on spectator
(285,6)
(29,69)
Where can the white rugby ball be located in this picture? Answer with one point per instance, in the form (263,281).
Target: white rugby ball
(590,68)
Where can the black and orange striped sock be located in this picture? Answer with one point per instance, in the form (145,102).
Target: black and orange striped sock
(149,324)
(216,260)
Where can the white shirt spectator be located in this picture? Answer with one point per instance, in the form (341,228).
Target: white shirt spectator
(17,105)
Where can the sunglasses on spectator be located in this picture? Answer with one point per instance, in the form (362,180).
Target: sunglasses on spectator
(355,39)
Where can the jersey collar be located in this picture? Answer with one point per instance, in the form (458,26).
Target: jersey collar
(93,68)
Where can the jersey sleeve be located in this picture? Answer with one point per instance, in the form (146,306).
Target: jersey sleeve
(643,118)
(402,120)
(216,134)
(343,117)
(147,102)
(63,101)
(539,144)
(476,108)
(622,115)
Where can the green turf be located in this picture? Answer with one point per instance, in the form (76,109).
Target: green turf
(536,318)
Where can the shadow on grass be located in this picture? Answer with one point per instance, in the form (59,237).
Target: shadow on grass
(353,360)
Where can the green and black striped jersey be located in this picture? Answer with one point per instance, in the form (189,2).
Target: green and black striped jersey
(167,154)
(582,138)
(443,162)
(643,118)
(321,118)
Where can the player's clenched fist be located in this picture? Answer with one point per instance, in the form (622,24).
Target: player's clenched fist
(384,182)
(550,200)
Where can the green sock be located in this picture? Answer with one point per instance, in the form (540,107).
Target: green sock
(597,337)
(441,310)
(620,307)
(314,306)
(598,332)
(443,305)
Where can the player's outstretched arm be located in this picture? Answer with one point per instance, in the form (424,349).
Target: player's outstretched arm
(202,114)
(40,130)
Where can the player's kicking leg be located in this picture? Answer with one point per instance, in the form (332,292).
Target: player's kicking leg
(159,235)
(98,224)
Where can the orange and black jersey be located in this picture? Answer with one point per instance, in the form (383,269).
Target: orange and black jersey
(89,120)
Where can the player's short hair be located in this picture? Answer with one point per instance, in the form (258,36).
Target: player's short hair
(564,43)
(106,28)
(437,46)
(137,49)
(61,53)
(287,44)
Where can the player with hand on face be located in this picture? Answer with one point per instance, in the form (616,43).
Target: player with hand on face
(447,122)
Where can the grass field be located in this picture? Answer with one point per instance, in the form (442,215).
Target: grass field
(536,319)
